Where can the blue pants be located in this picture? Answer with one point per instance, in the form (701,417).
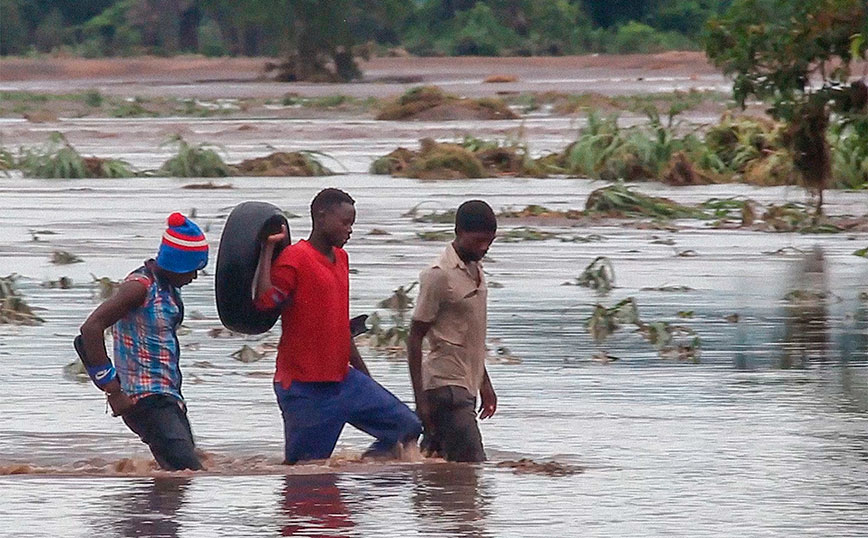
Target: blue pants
(315,413)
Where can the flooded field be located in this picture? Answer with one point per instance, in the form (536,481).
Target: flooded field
(763,433)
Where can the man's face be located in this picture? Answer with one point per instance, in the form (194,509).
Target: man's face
(472,246)
(336,223)
(180,280)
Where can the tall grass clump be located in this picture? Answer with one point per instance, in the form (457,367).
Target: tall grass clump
(58,159)
(606,151)
(193,161)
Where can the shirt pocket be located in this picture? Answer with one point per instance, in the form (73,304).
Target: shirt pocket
(459,308)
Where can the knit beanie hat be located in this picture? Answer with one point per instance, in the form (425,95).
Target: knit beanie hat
(184,248)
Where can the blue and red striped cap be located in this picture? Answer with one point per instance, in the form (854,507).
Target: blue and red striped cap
(184,248)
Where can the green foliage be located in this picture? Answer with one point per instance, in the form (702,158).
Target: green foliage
(849,142)
(93,98)
(58,159)
(481,34)
(193,161)
(618,199)
(773,49)
(322,39)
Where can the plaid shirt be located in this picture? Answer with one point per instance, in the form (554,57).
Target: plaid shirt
(145,340)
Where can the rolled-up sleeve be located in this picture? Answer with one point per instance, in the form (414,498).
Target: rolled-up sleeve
(432,287)
(283,281)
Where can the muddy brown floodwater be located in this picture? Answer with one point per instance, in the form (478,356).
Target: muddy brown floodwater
(766,435)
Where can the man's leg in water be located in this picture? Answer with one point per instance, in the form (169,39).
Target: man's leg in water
(312,419)
(377,412)
(161,423)
(456,432)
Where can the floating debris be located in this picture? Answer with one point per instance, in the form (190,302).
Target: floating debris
(63,283)
(546,468)
(668,288)
(13,309)
(863,252)
(438,235)
(75,371)
(247,354)
(210,185)
(63,257)
(495,79)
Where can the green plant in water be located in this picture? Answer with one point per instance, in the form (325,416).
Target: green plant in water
(436,217)
(392,337)
(193,161)
(668,339)
(598,275)
(605,321)
(438,235)
(93,98)
(524,233)
(58,159)
(619,200)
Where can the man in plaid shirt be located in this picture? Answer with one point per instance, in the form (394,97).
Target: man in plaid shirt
(144,385)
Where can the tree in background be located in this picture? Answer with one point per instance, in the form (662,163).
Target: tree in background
(798,56)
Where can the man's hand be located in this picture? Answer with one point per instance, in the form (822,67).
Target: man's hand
(119,402)
(274,239)
(489,401)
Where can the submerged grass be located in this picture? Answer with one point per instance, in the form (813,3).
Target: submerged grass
(434,102)
(201,160)
(282,163)
(468,158)
(58,159)
(619,200)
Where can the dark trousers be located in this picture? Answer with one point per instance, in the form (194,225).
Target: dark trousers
(161,422)
(455,434)
(314,415)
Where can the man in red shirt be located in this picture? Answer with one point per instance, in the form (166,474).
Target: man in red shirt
(321,381)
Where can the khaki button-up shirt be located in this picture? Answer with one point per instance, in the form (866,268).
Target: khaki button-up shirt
(455,304)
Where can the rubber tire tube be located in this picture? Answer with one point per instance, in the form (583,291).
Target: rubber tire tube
(248,225)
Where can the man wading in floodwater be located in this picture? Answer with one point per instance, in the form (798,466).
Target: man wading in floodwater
(451,312)
(321,381)
(144,315)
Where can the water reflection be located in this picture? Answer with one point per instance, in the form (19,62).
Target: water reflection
(806,333)
(313,506)
(450,500)
(150,511)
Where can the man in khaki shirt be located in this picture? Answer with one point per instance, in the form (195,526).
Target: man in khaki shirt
(451,312)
